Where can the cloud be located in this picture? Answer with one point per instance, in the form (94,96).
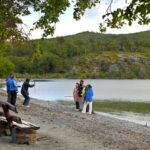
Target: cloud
(92,13)
(89,22)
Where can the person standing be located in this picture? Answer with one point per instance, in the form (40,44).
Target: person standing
(76,96)
(25,92)
(80,91)
(88,99)
(8,80)
(12,88)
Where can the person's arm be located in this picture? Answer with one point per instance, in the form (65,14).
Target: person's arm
(18,85)
(92,93)
(15,84)
(31,85)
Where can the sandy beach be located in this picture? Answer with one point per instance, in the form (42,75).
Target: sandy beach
(64,128)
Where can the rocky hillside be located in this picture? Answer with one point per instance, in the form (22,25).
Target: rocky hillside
(84,55)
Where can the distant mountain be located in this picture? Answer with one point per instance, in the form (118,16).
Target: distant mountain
(84,55)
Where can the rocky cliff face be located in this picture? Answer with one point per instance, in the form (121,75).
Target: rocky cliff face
(120,65)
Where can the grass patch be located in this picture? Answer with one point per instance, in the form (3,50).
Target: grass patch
(111,106)
(115,106)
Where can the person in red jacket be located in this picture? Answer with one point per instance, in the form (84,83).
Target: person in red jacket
(76,96)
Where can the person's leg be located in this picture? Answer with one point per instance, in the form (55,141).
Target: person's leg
(90,107)
(8,96)
(93,109)
(84,107)
(87,108)
(24,97)
(27,99)
(13,97)
(77,105)
(81,103)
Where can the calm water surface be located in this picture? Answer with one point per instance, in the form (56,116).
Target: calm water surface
(125,90)
(61,89)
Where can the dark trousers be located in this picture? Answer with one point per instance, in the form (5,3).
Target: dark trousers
(27,99)
(13,97)
(77,105)
(8,96)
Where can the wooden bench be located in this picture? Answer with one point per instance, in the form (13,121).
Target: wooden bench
(21,131)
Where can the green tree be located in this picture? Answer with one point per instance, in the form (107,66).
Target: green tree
(6,67)
(22,64)
(47,63)
(50,10)
(36,53)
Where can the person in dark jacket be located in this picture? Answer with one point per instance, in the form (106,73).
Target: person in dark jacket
(80,89)
(25,92)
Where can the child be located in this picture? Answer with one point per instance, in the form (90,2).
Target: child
(88,99)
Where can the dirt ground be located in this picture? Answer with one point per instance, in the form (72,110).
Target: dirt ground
(64,128)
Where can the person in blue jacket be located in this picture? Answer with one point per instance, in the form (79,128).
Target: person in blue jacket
(88,99)
(8,88)
(12,88)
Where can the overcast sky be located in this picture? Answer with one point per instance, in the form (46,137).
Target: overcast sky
(89,22)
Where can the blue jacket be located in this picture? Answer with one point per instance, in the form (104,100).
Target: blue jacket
(89,95)
(7,83)
(11,85)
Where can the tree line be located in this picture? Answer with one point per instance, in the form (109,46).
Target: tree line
(86,55)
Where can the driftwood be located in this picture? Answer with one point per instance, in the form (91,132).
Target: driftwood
(1,113)
(20,130)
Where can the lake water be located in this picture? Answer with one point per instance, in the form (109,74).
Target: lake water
(61,89)
(123,90)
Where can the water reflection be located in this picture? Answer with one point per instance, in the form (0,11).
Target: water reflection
(130,90)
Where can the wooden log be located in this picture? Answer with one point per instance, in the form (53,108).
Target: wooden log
(2,118)
(31,125)
(7,114)
(16,119)
(4,128)
(1,113)
(21,131)
(9,106)
(27,136)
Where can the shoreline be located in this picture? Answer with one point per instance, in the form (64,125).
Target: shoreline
(130,116)
(63,128)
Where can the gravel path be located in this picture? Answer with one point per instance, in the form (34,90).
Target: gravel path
(64,128)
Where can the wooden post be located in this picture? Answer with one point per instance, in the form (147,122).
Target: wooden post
(13,135)
(9,118)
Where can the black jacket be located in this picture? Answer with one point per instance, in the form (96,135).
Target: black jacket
(25,87)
